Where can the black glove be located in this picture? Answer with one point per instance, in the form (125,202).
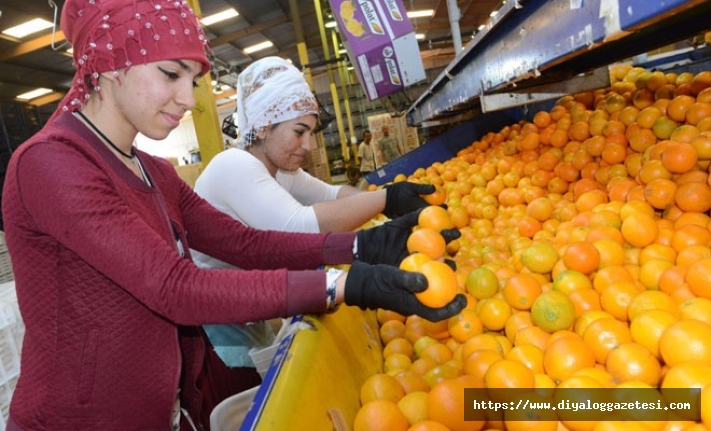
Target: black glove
(404,197)
(387,243)
(382,286)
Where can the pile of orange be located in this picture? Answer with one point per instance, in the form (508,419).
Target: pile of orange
(585,256)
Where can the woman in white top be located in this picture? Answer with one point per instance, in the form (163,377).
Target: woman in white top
(261,182)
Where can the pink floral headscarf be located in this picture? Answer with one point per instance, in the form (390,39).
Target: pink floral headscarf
(109,35)
(270,91)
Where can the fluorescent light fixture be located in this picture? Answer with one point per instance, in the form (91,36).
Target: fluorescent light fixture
(481,27)
(258,47)
(420,13)
(70,51)
(213,82)
(34,94)
(342,51)
(32,26)
(330,24)
(219,16)
(493,14)
(419,36)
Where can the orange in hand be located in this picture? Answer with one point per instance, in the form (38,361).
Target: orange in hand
(442,284)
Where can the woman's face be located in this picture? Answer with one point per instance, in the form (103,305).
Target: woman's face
(286,145)
(152,98)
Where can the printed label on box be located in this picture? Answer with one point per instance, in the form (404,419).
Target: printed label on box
(371,17)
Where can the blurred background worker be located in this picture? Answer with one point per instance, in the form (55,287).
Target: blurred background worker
(389,145)
(366,154)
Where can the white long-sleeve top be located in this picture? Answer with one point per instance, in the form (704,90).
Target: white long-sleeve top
(238,184)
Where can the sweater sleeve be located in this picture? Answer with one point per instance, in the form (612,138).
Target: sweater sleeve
(102,226)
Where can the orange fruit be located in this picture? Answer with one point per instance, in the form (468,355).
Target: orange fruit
(520,290)
(396,362)
(493,313)
(442,372)
(539,258)
(660,193)
(686,340)
(438,352)
(529,355)
(442,284)
(434,217)
(611,252)
(569,281)
(532,335)
(689,374)
(650,272)
(553,311)
(383,315)
(697,309)
(380,415)
(391,330)
(381,387)
(427,241)
(445,405)
(588,317)
(647,327)
(398,345)
(414,406)
(483,341)
(478,363)
(607,275)
(585,300)
(411,381)
(581,256)
(508,373)
(690,234)
(651,300)
(698,276)
(616,297)
(602,335)
(437,198)
(639,229)
(482,283)
(633,362)
(679,157)
(464,325)
(567,355)
(413,261)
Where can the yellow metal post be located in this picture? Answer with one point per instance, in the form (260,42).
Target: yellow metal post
(332,83)
(205,117)
(344,90)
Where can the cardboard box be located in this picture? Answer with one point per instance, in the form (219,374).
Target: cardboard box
(381,44)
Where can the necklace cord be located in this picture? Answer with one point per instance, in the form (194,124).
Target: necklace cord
(129,156)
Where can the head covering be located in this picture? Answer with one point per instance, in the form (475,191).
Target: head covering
(270,91)
(109,35)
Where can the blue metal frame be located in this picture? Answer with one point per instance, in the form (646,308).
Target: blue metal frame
(536,40)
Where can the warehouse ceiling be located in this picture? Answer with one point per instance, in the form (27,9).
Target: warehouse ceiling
(41,60)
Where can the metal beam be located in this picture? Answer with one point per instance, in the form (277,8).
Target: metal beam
(32,45)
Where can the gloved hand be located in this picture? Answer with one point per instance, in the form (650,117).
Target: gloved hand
(387,243)
(404,197)
(382,286)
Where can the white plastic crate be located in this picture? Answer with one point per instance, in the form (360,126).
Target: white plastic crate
(230,413)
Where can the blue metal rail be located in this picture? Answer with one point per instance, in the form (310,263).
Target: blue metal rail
(536,41)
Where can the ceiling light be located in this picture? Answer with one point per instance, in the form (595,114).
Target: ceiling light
(330,24)
(419,36)
(420,13)
(481,27)
(32,26)
(70,50)
(258,47)
(493,14)
(34,94)
(219,16)
(342,51)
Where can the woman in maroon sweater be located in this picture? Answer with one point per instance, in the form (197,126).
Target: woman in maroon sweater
(99,235)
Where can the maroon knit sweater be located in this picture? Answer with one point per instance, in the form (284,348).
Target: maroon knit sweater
(110,307)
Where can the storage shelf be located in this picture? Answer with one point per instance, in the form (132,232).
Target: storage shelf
(534,42)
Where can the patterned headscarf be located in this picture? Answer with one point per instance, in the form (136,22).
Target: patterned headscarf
(109,35)
(270,91)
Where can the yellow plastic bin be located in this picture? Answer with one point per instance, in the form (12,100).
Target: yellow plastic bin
(315,376)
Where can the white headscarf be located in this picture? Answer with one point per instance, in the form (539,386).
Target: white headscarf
(270,91)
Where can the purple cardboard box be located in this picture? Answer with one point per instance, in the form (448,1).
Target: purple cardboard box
(381,44)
